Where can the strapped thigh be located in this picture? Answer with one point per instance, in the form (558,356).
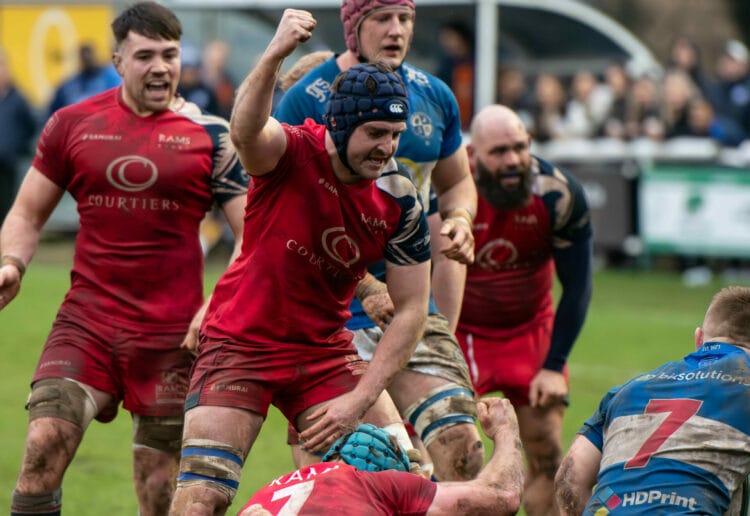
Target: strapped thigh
(157,432)
(62,398)
(211,464)
(441,408)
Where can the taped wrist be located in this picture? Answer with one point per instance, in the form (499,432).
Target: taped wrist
(442,407)
(15,261)
(369,286)
(458,213)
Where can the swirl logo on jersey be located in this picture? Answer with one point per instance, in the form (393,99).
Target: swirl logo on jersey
(340,247)
(496,254)
(132,173)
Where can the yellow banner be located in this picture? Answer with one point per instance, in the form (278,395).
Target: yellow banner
(41,43)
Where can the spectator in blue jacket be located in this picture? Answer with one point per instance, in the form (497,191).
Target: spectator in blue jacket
(18,123)
(92,78)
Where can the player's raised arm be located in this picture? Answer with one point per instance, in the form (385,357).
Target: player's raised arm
(259,139)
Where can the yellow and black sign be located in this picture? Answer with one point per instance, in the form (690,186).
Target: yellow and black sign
(41,42)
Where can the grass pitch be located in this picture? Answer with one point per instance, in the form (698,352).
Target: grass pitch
(637,320)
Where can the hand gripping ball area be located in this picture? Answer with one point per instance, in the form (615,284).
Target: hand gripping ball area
(363,93)
(369,448)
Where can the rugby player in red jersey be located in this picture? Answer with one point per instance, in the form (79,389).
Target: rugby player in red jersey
(366,472)
(326,201)
(532,222)
(144,167)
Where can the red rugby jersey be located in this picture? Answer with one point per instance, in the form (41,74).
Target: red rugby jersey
(328,488)
(308,239)
(142,186)
(510,282)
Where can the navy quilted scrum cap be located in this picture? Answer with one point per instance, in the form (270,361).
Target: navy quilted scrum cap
(363,93)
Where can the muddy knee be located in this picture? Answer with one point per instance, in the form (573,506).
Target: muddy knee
(461,453)
(444,419)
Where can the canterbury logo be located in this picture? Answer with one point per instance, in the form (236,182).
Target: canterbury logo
(396,108)
(132,173)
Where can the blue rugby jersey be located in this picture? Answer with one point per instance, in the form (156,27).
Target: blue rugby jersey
(677,439)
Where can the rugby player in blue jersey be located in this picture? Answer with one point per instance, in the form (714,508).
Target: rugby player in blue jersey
(675,440)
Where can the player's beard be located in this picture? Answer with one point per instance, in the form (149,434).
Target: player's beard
(490,188)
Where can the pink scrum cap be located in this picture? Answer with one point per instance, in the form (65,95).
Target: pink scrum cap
(354,11)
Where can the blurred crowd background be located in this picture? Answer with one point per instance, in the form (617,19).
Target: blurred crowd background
(661,142)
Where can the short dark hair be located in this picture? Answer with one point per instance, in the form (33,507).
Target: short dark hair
(148,19)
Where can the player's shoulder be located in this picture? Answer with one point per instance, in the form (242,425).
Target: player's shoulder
(321,77)
(554,179)
(88,112)
(194,114)
(95,105)
(419,80)
(304,140)
(564,198)
(554,172)
(327,70)
(396,182)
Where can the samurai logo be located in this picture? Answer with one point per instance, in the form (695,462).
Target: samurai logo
(132,173)
(340,246)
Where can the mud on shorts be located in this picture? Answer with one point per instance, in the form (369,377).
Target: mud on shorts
(147,371)
(437,353)
(292,377)
(507,360)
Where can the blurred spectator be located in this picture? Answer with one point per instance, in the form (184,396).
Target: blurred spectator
(731,93)
(18,125)
(548,108)
(456,67)
(587,107)
(678,90)
(92,78)
(513,92)
(684,54)
(704,122)
(216,76)
(192,87)
(618,83)
(643,119)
